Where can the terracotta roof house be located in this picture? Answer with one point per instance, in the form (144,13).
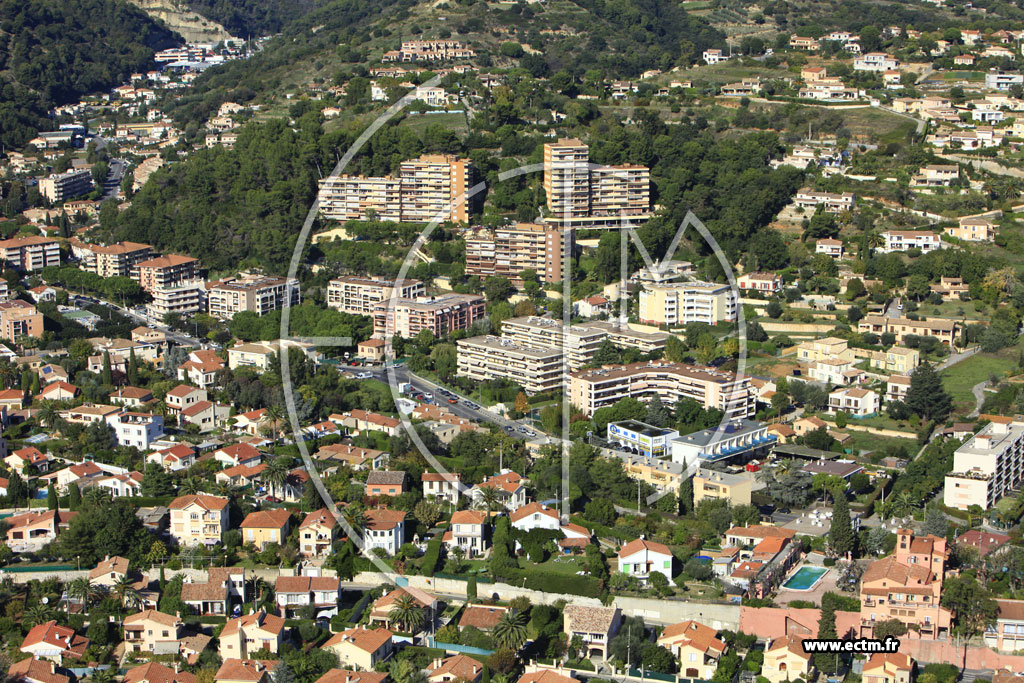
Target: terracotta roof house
(263,527)
(55,643)
(595,626)
(483,617)
(380,613)
(696,646)
(34,670)
(346,676)
(109,571)
(361,647)
(245,671)
(456,668)
(248,634)
(155,672)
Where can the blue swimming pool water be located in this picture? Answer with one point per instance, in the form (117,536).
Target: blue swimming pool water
(805,578)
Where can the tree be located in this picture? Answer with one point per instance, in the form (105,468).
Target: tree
(935,522)
(406,613)
(774,309)
(133,367)
(972,605)
(889,628)
(427,512)
(826,631)
(926,395)
(841,537)
(52,502)
(522,404)
(657,414)
(471,589)
(510,631)
(108,375)
(276,473)
(74,497)
(80,589)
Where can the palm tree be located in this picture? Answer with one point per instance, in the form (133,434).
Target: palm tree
(903,504)
(83,591)
(126,592)
(36,614)
(510,631)
(7,374)
(489,499)
(48,414)
(276,473)
(191,486)
(102,676)
(274,416)
(406,613)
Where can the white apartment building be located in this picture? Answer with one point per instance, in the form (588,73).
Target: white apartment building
(535,370)
(186,297)
(988,466)
(256,293)
(59,187)
(439,314)
(680,303)
(596,388)
(830,201)
(138,429)
(360,295)
(854,401)
(430,187)
(902,240)
(876,61)
(580,194)
(508,250)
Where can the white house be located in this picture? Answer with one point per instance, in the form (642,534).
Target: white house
(854,401)
(384,529)
(876,61)
(641,558)
(138,429)
(902,240)
(535,516)
(468,531)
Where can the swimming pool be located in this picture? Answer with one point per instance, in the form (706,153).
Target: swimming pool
(806,578)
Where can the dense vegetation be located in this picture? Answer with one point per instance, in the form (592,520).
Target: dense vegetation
(245,18)
(53,53)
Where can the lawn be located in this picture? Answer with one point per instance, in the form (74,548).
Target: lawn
(454,122)
(955,310)
(869,442)
(960,378)
(565,565)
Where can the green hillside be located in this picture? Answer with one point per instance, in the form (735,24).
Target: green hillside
(53,52)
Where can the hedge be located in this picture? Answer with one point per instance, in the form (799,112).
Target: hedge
(587,586)
(432,556)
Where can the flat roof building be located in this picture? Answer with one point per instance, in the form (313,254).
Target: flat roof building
(360,295)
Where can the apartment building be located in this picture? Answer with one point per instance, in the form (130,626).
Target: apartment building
(59,187)
(973,229)
(854,401)
(936,175)
(184,297)
(116,260)
(19,319)
(581,194)
(907,586)
(440,315)
(509,250)
(897,360)
(593,389)
(824,349)
(488,357)
(258,294)
(988,466)
(432,187)
(360,295)
(736,488)
(876,61)
(942,329)
(830,202)
(428,51)
(30,252)
(902,240)
(137,429)
(679,303)
(165,271)
(198,519)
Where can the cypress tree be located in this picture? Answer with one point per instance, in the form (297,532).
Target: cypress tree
(841,536)
(108,374)
(133,368)
(826,662)
(51,498)
(75,497)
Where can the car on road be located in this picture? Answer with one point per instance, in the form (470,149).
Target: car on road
(363,375)
(453,400)
(472,406)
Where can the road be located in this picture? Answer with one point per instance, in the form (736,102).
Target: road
(460,409)
(955,358)
(177,337)
(979,397)
(112,185)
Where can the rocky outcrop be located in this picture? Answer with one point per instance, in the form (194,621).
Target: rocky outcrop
(191,26)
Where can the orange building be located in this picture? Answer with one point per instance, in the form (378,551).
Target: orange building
(907,586)
(164,271)
(19,319)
